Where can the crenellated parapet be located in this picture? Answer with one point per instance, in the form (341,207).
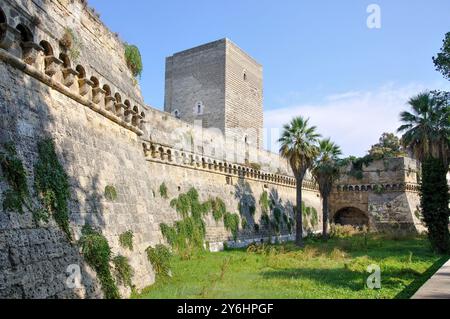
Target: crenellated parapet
(401,187)
(157,152)
(26,47)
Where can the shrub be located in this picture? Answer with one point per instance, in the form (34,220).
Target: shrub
(339,231)
(126,239)
(52,184)
(97,253)
(70,42)
(134,60)
(110,193)
(123,271)
(163,191)
(255,166)
(159,257)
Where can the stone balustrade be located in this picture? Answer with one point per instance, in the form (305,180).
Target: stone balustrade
(38,59)
(157,152)
(400,187)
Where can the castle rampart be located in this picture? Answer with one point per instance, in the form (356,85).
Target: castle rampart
(105,136)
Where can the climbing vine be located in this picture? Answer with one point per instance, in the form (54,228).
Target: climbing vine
(218,208)
(123,271)
(16,177)
(231,223)
(188,234)
(264,202)
(134,60)
(52,185)
(160,257)
(97,254)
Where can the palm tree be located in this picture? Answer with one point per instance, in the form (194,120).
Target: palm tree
(427,129)
(326,171)
(298,145)
(427,134)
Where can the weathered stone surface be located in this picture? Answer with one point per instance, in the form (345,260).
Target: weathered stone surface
(99,149)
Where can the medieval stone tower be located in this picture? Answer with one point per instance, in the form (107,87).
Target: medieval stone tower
(220,86)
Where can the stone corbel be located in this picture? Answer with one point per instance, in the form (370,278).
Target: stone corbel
(137,119)
(110,103)
(9,38)
(120,109)
(128,115)
(85,85)
(69,75)
(30,51)
(52,64)
(97,94)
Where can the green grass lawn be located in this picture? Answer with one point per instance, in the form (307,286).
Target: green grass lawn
(324,270)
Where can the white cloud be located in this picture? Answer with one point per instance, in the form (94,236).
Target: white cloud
(354,119)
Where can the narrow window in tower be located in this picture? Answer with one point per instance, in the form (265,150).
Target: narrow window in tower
(199,108)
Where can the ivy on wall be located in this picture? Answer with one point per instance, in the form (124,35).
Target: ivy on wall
(97,253)
(16,177)
(126,239)
(52,185)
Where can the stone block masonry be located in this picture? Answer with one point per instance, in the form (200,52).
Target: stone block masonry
(106,137)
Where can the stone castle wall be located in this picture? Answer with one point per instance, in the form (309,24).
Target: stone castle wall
(105,136)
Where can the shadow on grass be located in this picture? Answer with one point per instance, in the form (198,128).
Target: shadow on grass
(409,291)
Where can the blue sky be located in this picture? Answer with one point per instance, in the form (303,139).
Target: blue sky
(320,59)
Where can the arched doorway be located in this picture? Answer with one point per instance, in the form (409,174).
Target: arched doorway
(351,216)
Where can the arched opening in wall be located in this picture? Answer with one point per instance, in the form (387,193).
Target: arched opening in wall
(81,72)
(3,24)
(66,61)
(95,82)
(351,216)
(48,50)
(118,98)
(25,33)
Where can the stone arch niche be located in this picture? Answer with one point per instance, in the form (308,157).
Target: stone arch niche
(351,216)
(3,25)
(29,48)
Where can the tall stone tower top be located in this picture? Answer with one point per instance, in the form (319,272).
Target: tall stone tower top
(221,86)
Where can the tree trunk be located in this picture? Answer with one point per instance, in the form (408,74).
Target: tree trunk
(299,216)
(325,217)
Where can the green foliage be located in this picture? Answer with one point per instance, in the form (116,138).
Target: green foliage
(252,210)
(52,184)
(244,222)
(231,223)
(188,234)
(97,253)
(71,43)
(126,239)
(442,60)
(134,60)
(388,146)
(434,203)
(110,193)
(264,202)
(123,271)
(163,191)
(160,258)
(218,208)
(16,177)
(255,166)
(378,189)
